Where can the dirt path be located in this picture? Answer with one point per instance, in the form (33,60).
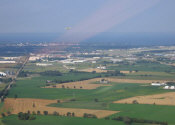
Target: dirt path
(26,104)
(158,99)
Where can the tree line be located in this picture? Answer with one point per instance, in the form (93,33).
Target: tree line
(129,121)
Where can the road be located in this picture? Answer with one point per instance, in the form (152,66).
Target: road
(16,75)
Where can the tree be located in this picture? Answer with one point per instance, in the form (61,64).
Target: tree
(28,112)
(55,113)
(15,96)
(38,112)
(63,86)
(71,70)
(32,117)
(8,112)
(73,114)
(96,100)
(135,102)
(58,101)
(33,105)
(33,113)
(45,112)
(3,114)
(89,115)
(25,116)
(68,114)
(127,120)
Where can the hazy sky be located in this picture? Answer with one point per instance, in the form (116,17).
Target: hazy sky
(35,16)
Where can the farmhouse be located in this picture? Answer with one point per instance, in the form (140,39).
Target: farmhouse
(101,67)
(79,61)
(158,84)
(103,81)
(43,64)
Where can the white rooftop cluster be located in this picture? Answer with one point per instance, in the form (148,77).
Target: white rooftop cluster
(3,74)
(169,87)
(158,84)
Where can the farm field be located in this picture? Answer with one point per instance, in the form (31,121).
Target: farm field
(84,100)
(89,96)
(85,84)
(87,62)
(89,84)
(158,99)
(58,120)
(93,69)
(151,67)
(32,67)
(145,111)
(34,105)
(2,85)
(31,88)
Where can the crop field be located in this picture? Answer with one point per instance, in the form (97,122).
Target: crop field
(90,96)
(58,120)
(84,65)
(158,99)
(151,67)
(8,67)
(85,84)
(2,85)
(145,111)
(32,67)
(87,62)
(89,84)
(31,88)
(34,105)
(93,69)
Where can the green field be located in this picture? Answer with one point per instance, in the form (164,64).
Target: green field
(58,120)
(32,67)
(30,87)
(151,112)
(153,67)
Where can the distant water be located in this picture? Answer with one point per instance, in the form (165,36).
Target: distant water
(105,38)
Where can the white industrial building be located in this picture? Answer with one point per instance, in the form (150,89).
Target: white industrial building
(3,74)
(43,64)
(158,84)
(101,67)
(169,87)
(3,62)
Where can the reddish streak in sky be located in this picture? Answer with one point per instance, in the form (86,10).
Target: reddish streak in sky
(109,15)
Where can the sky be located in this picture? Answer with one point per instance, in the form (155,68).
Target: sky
(88,17)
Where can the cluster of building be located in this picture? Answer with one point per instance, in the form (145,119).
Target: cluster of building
(2,74)
(43,64)
(9,60)
(165,85)
(169,87)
